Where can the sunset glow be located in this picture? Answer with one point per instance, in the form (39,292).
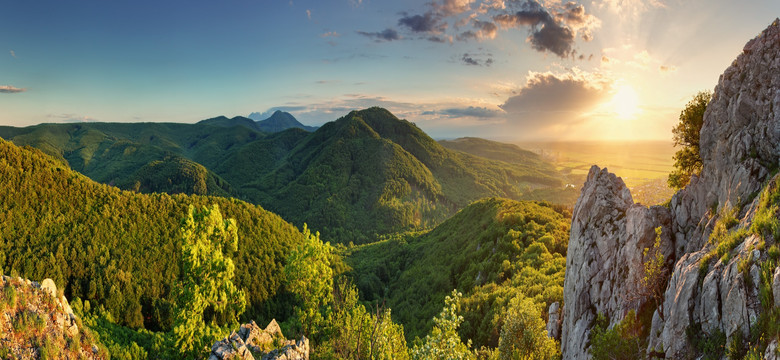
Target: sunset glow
(625,102)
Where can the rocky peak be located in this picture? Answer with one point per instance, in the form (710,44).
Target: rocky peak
(706,292)
(252,342)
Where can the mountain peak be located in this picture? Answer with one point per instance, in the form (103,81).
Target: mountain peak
(279,121)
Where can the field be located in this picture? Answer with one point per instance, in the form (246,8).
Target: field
(643,165)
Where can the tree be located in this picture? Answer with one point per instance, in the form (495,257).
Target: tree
(444,342)
(207,282)
(622,342)
(524,335)
(687,161)
(310,277)
(656,275)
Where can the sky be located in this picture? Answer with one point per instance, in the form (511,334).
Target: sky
(501,69)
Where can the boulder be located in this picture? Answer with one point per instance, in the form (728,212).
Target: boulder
(554,321)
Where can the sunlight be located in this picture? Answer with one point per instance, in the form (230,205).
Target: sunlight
(625,102)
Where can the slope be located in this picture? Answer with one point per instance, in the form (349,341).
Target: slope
(120,249)
(280,121)
(492,250)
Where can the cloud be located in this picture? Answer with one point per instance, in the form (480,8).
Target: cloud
(666,69)
(549,99)
(8,89)
(330,34)
(13,54)
(471,59)
(484,30)
(452,7)
(308,14)
(426,23)
(553,29)
(385,35)
(71,118)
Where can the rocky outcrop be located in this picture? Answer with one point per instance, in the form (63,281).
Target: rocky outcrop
(740,148)
(554,321)
(251,342)
(36,322)
(604,264)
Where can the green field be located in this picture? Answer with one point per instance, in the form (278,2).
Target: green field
(643,165)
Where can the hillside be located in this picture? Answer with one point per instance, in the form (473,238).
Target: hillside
(492,250)
(354,179)
(119,249)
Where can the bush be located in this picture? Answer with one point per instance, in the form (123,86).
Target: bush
(623,341)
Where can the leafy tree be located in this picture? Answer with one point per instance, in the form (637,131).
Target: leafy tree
(524,335)
(207,282)
(310,277)
(687,161)
(656,275)
(443,342)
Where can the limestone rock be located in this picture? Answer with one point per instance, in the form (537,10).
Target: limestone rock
(554,321)
(50,287)
(253,342)
(609,234)
(739,145)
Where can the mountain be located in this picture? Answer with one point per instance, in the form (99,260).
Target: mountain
(353,179)
(492,250)
(278,121)
(120,250)
(497,151)
(718,238)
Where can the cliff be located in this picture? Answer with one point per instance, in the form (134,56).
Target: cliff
(718,235)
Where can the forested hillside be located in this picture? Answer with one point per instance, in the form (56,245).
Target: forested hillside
(492,251)
(354,179)
(120,249)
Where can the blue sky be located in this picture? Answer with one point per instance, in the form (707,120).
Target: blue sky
(510,70)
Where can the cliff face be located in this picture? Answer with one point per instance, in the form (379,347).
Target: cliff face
(740,148)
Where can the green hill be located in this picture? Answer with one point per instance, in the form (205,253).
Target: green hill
(280,121)
(119,249)
(354,179)
(491,250)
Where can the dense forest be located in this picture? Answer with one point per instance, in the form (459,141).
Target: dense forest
(118,249)
(354,179)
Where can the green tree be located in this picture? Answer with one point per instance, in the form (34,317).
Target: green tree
(310,277)
(656,275)
(524,335)
(444,342)
(207,282)
(622,342)
(687,161)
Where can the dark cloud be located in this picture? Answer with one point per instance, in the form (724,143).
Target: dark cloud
(484,30)
(548,99)
(8,89)
(426,23)
(436,38)
(474,59)
(552,31)
(385,35)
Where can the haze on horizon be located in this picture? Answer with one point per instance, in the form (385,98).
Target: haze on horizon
(502,69)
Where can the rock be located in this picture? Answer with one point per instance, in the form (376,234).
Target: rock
(609,234)
(554,321)
(739,146)
(252,339)
(776,286)
(771,352)
(49,286)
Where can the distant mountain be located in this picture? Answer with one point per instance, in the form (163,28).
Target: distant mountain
(353,179)
(223,121)
(495,150)
(278,121)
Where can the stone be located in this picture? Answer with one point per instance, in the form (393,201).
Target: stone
(49,286)
(554,321)
(771,352)
(776,286)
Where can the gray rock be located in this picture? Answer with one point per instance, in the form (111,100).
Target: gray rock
(771,352)
(49,286)
(554,321)
(251,338)
(776,286)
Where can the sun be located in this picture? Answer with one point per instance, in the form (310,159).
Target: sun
(625,102)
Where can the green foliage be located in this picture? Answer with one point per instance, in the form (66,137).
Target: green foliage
(309,276)
(708,346)
(493,250)
(444,342)
(524,334)
(687,161)
(207,282)
(357,333)
(655,276)
(175,175)
(623,341)
(120,249)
